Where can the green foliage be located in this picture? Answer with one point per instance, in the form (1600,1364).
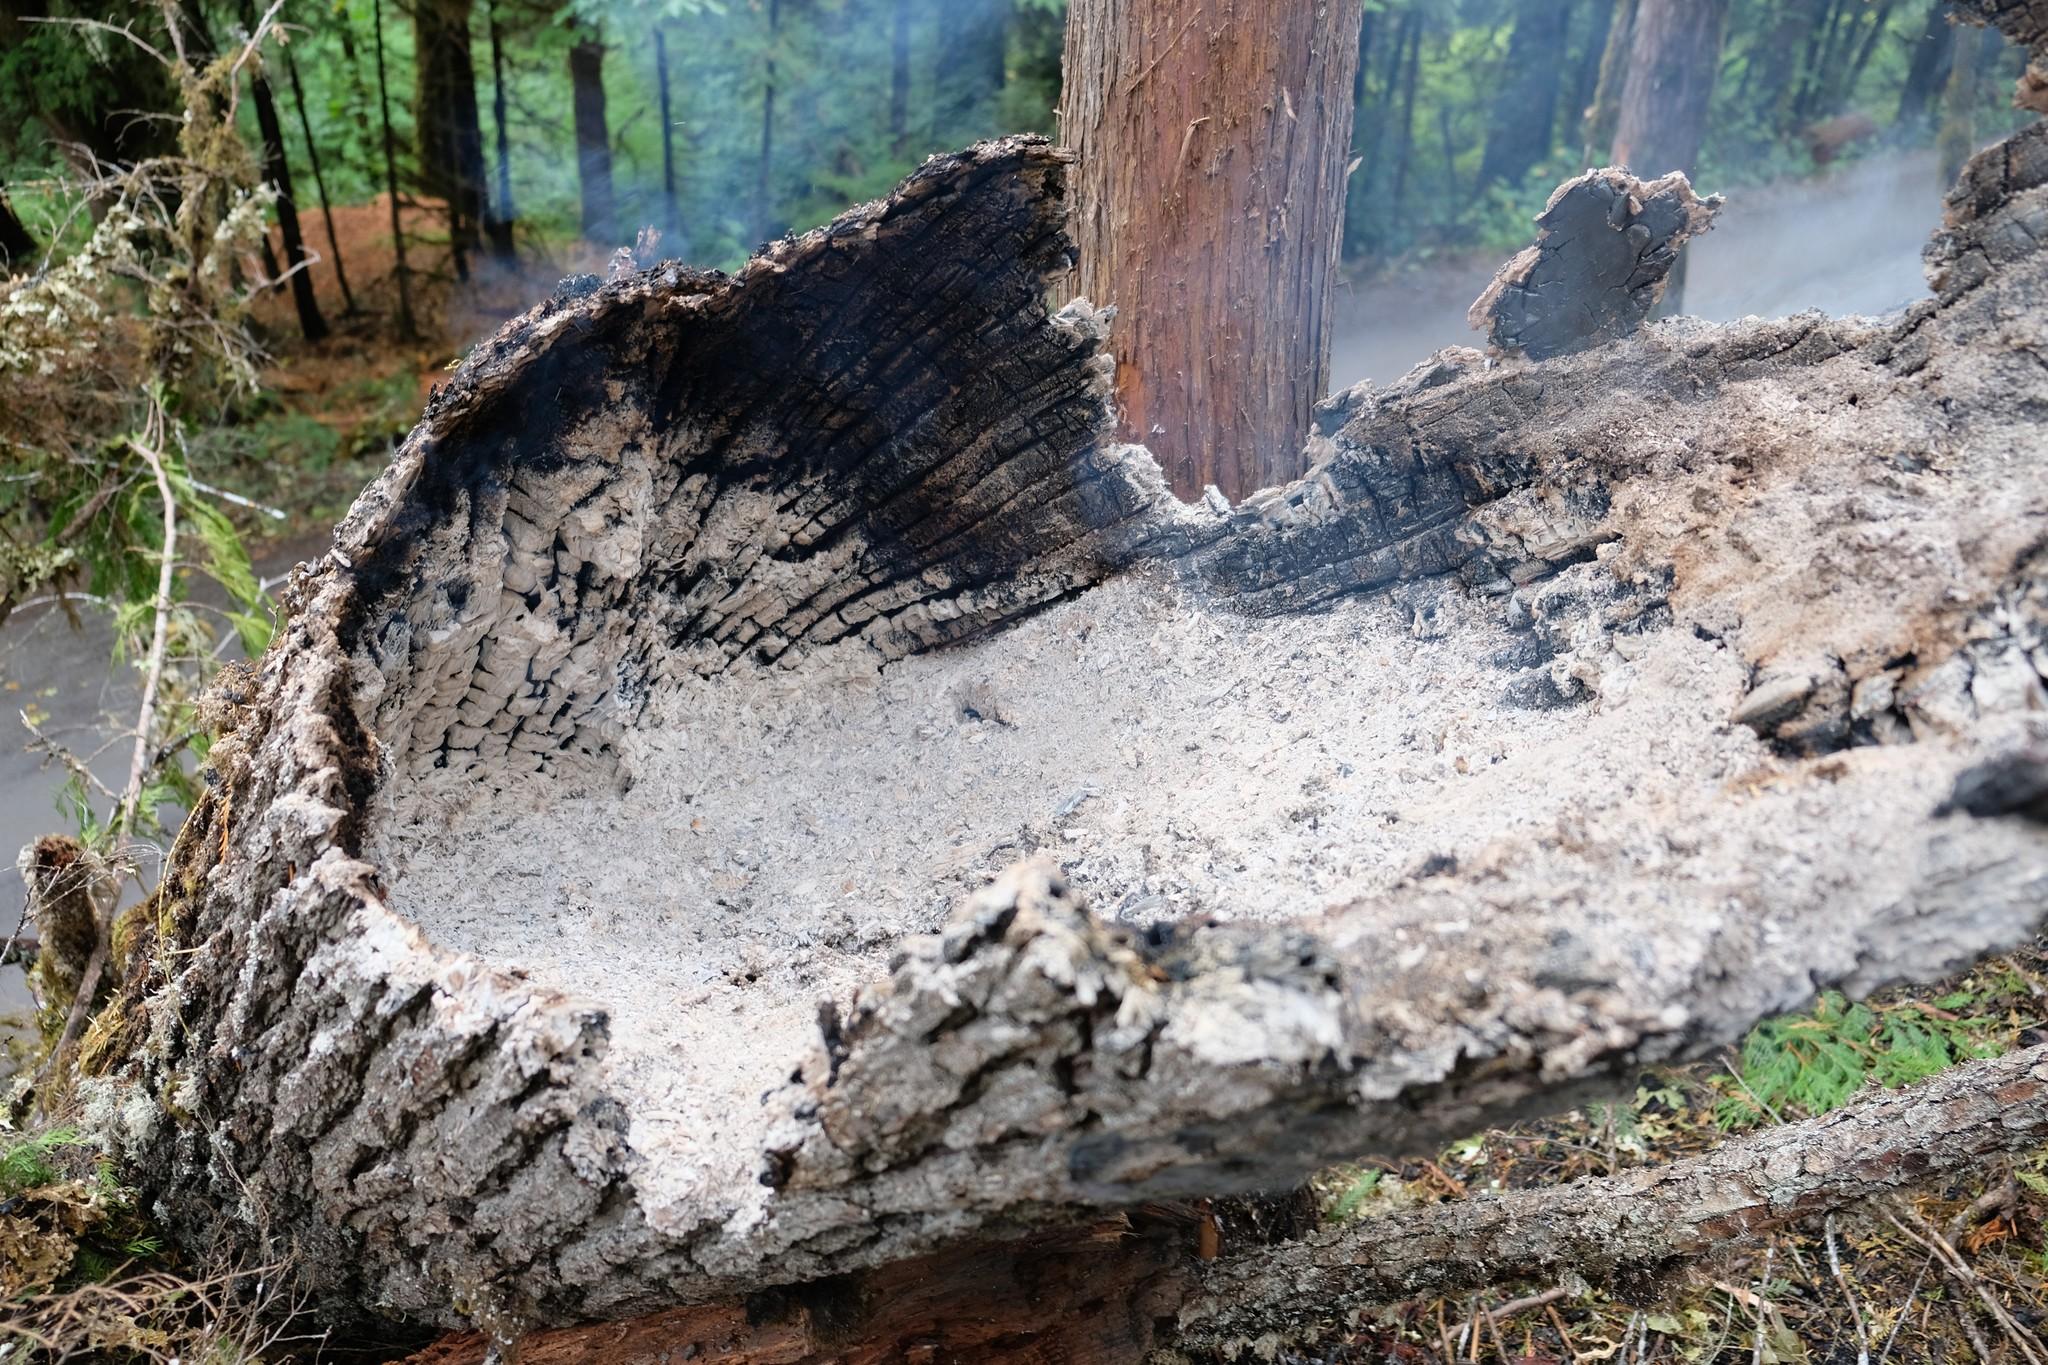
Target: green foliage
(25,1162)
(1361,1188)
(1810,1063)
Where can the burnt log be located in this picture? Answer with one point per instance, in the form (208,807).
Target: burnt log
(764,789)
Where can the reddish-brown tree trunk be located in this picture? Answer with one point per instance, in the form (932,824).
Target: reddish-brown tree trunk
(1674,56)
(1208,208)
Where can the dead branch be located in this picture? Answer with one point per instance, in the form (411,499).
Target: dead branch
(1634,1231)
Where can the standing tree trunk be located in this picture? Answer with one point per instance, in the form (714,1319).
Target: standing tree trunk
(498,221)
(764,166)
(1209,208)
(672,216)
(1525,106)
(899,78)
(408,330)
(1411,76)
(291,68)
(446,124)
(278,172)
(593,136)
(1605,110)
(1673,59)
(16,246)
(1932,55)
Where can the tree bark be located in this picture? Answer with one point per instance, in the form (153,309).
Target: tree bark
(1209,205)
(1525,107)
(348,298)
(408,329)
(1115,1293)
(17,246)
(593,135)
(277,171)
(446,121)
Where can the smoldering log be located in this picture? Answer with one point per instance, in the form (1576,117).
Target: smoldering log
(717,644)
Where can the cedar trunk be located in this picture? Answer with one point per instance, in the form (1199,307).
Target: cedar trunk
(1212,139)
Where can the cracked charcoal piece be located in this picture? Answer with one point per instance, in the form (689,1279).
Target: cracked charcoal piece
(1599,267)
(629,721)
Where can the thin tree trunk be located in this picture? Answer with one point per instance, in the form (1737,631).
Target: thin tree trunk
(1525,106)
(593,136)
(291,71)
(1674,57)
(498,223)
(1932,55)
(408,329)
(446,125)
(672,214)
(1411,76)
(764,166)
(1209,208)
(899,78)
(16,245)
(277,171)
(1605,110)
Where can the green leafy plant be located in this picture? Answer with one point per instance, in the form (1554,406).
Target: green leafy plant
(1810,1063)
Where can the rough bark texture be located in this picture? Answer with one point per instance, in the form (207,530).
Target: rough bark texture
(1607,244)
(1773,587)
(1632,1231)
(1118,1291)
(1211,140)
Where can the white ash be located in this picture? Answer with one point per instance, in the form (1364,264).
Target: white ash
(784,830)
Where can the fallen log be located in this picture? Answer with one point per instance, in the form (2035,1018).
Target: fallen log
(1137,1286)
(713,637)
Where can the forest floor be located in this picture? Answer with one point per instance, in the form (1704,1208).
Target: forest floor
(332,411)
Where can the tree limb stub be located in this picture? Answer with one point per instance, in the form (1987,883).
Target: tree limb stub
(712,639)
